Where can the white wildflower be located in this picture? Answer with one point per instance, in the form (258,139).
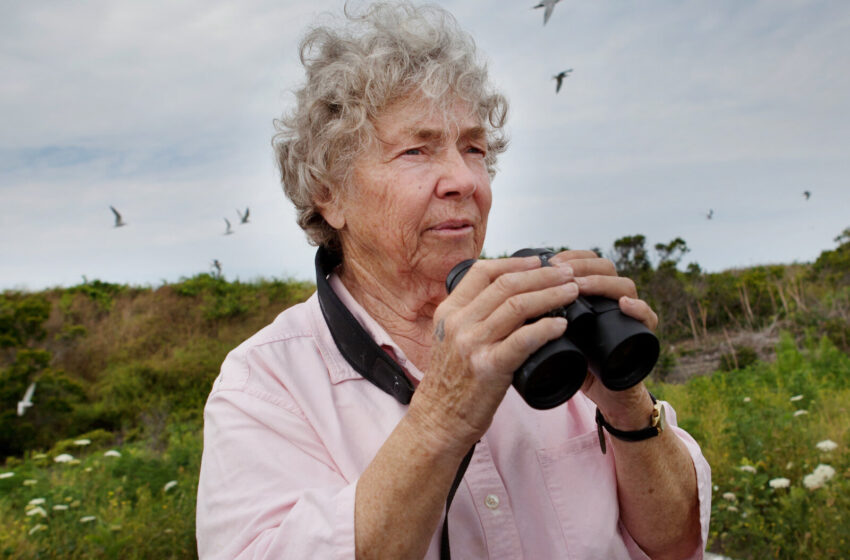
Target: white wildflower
(112,453)
(82,442)
(826,445)
(732,508)
(779,483)
(796,398)
(63,458)
(36,502)
(747,399)
(6,475)
(87,519)
(800,412)
(729,496)
(37,510)
(61,507)
(747,468)
(30,482)
(818,478)
(36,528)
(169,485)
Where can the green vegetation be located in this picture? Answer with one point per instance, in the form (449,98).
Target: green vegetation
(105,462)
(764,423)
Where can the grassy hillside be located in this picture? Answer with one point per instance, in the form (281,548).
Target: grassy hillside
(105,462)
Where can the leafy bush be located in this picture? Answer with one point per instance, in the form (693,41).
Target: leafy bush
(770,418)
(742,357)
(21,319)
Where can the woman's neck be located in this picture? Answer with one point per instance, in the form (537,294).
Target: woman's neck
(400,302)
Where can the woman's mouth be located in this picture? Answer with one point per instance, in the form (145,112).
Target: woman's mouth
(453,226)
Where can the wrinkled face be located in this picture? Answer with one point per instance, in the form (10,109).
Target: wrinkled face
(421,193)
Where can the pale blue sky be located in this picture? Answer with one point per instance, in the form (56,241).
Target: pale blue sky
(164,110)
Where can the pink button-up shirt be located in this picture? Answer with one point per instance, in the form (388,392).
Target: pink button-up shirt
(289,427)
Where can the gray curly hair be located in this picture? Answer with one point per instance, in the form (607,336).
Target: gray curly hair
(387,53)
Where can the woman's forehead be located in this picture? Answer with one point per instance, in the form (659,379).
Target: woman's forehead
(426,120)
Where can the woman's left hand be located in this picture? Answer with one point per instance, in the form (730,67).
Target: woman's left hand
(597,276)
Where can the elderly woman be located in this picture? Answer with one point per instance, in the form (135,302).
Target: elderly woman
(342,429)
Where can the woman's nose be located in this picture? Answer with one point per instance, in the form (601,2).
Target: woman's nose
(457,178)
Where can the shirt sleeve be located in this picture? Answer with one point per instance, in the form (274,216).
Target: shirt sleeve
(267,488)
(703,473)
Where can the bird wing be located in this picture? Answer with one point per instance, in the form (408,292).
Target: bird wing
(560,79)
(28,393)
(117,215)
(548,11)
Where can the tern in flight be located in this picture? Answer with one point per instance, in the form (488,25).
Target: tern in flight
(26,402)
(243,218)
(229,229)
(548,6)
(119,221)
(217,265)
(560,77)
(710,214)
(807,194)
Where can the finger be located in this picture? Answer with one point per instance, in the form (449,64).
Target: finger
(592,267)
(511,284)
(612,287)
(517,309)
(572,254)
(640,310)
(484,272)
(509,354)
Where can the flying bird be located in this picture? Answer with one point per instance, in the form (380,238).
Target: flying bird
(560,78)
(217,265)
(710,214)
(229,229)
(26,402)
(548,6)
(807,194)
(243,217)
(119,221)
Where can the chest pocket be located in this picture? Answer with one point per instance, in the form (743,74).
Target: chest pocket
(583,488)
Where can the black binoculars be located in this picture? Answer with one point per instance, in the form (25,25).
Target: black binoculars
(619,350)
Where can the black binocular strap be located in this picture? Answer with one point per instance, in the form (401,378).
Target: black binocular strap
(369,360)
(445,551)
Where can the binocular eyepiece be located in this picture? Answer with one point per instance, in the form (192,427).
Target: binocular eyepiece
(619,350)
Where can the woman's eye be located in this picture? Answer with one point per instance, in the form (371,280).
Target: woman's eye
(475,150)
(413,152)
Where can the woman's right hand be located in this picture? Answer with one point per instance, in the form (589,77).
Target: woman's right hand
(480,339)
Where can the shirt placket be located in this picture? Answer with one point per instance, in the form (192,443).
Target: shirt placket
(492,505)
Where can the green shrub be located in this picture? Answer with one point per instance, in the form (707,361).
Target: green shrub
(743,357)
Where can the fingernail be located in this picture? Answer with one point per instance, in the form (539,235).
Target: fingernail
(570,288)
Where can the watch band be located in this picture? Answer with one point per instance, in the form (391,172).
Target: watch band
(655,428)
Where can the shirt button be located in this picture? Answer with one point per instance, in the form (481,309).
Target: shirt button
(491,501)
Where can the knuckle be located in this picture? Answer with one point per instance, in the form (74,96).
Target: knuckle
(506,283)
(516,306)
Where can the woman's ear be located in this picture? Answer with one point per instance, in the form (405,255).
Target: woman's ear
(331,211)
